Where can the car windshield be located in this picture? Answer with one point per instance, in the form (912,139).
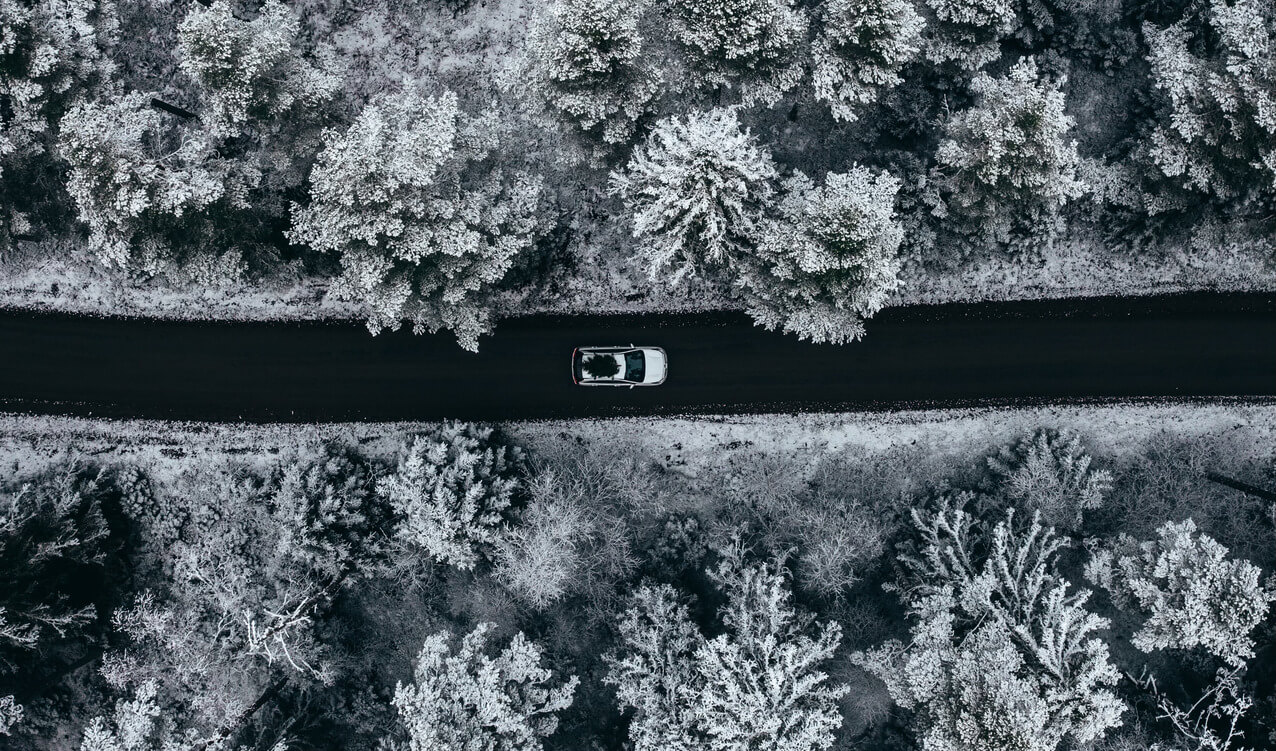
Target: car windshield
(635,366)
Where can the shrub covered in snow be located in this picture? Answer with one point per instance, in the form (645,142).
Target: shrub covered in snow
(422,223)
(1050,474)
(1191,594)
(451,489)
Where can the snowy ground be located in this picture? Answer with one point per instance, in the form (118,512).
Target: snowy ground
(63,283)
(689,446)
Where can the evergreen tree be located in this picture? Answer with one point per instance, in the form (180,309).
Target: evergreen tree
(750,44)
(758,684)
(655,673)
(142,179)
(473,701)
(51,53)
(1006,170)
(1190,593)
(1217,125)
(451,489)
(249,69)
(53,540)
(422,223)
(697,189)
(1002,656)
(968,33)
(830,260)
(589,63)
(860,51)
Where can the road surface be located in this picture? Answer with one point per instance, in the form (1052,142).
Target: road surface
(1193,346)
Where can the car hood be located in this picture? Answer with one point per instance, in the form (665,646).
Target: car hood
(655,366)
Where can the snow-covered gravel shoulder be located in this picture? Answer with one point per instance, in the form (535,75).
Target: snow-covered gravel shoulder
(61,283)
(687,445)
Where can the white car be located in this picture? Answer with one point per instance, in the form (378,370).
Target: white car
(619,366)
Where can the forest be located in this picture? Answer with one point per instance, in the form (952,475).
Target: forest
(518,588)
(444,163)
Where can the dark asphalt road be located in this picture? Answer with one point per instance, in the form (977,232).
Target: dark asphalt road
(1195,346)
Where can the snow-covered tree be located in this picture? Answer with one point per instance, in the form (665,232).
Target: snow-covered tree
(249,69)
(140,178)
(1217,131)
(50,52)
(754,45)
(236,602)
(53,535)
(860,51)
(474,701)
(1050,474)
(762,683)
(830,259)
(1002,656)
(588,62)
(1006,168)
(968,33)
(697,189)
(142,724)
(330,514)
(422,222)
(11,714)
(452,488)
(1190,592)
(758,684)
(654,673)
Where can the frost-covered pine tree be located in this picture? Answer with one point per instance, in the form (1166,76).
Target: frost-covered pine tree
(1006,167)
(588,62)
(697,189)
(758,684)
(1050,474)
(1190,592)
(654,672)
(451,489)
(830,259)
(475,701)
(860,51)
(141,178)
(1002,656)
(752,45)
(762,686)
(423,223)
(968,33)
(249,69)
(1217,128)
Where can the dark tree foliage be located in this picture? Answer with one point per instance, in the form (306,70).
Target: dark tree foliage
(58,566)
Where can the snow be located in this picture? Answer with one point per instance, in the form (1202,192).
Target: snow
(689,445)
